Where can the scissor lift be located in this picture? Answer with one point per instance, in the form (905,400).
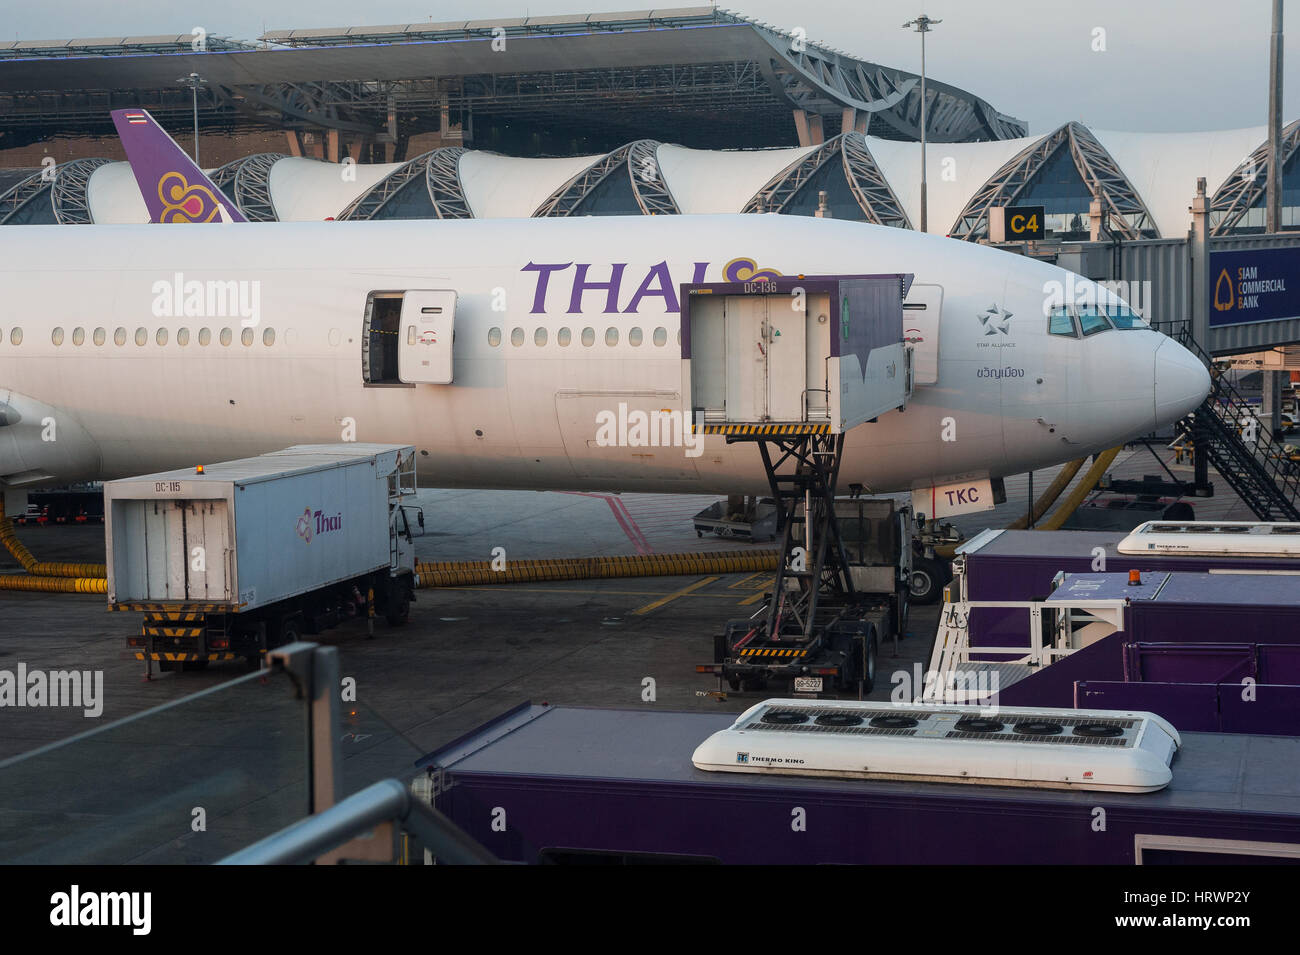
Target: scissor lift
(791,365)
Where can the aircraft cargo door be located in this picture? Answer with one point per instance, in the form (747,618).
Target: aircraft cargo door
(787,365)
(921,312)
(424,353)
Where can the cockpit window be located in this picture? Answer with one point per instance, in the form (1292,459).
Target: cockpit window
(1060,323)
(1123,317)
(1092,319)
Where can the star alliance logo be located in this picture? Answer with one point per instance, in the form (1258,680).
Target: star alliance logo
(995,320)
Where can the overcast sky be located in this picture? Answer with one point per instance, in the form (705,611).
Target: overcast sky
(1168,65)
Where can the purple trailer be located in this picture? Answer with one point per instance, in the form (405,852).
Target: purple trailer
(999,565)
(550,784)
(1208,652)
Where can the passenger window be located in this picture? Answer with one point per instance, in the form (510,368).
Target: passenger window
(1092,320)
(182,336)
(611,336)
(539,337)
(205,336)
(661,337)
(99,336)
(142,337)
(78,335)
(1060,323)
(56,336)
(161,337)
(268,337)
(246,337)
(634,336)
(564,337)
(588,337)
(226,336)
(119,337)
(517,337)
(494,337)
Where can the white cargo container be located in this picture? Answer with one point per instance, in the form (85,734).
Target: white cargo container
(249,553)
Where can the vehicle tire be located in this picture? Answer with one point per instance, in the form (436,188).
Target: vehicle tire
(734,683)
(290,631)
(753,684)
(189,666)
(869,669)
(1179,511)
(927,580)
(399,610)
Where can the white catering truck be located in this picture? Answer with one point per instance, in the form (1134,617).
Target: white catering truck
(228,560)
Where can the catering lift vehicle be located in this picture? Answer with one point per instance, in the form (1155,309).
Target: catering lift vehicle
(232,559)
(763,363)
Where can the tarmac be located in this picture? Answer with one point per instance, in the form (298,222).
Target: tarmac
(467,655)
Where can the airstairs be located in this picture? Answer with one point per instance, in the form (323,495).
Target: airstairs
(1243,449)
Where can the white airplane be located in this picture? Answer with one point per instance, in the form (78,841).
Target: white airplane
(130,349)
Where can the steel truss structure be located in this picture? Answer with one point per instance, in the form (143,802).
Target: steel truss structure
(1127,214)
(697,75)
(878,202)
(1244,189)
(67,190)
(637,160)
(247,183)
(441,174)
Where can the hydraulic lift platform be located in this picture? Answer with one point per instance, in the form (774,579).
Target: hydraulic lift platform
(792,364)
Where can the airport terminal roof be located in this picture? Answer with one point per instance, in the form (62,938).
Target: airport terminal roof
(1145,182)
(697,75)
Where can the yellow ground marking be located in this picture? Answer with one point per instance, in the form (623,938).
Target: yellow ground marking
(656,604)
(753,599)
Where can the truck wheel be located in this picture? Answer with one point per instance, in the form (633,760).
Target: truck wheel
(290,631)
(191,665)
(927,580)
(869,669)
(399,610)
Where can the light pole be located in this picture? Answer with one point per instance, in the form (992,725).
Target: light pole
(194,81)
(922,25)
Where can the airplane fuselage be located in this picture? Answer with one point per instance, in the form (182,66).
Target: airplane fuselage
(555,320)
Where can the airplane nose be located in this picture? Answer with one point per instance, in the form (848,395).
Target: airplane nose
(1181,382)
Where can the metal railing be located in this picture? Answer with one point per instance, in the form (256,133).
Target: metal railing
(1261,472)
(384,809)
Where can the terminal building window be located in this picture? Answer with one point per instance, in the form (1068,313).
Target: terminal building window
(1061,191)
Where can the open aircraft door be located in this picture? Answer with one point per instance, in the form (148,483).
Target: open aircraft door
(424,354)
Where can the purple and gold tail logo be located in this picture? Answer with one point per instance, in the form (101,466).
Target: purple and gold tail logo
(174,189)
(747,270)
(182,202)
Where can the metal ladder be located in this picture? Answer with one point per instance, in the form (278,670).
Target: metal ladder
(1261,476)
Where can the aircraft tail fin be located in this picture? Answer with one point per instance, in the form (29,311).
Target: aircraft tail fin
(174,188)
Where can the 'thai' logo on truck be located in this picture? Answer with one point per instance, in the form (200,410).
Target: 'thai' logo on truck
(317,522)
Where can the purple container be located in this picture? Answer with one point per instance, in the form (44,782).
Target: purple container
(566,784)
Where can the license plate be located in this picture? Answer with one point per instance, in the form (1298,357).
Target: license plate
(807,684)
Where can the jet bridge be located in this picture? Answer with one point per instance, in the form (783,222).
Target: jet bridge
(792,364)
